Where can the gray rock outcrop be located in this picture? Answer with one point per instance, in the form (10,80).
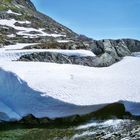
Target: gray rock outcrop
(107,53)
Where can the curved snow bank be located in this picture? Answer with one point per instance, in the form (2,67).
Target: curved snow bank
(55,90)
(9,54)
(18,100)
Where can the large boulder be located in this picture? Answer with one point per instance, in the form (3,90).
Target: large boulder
(111,51)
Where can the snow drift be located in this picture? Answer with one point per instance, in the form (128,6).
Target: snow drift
(55,90)
(17,100)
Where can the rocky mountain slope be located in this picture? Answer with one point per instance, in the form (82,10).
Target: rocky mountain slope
(20,22)
(35,27)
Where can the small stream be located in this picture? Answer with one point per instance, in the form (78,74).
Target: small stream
(112,129)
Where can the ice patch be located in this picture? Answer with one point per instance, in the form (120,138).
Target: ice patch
(63,41)
(11,36)
(11,12)
(18,46)
(25,31)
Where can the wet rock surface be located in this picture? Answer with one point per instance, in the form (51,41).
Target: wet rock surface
(120,130)
(114,129)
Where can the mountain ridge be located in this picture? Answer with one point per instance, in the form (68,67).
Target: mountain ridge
(21,22)
(26,3)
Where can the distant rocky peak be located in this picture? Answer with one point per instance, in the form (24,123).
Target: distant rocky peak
(25,3)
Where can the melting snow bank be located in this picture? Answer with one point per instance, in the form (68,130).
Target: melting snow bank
(56,91)
(17,100)
(18,46)
(9,53)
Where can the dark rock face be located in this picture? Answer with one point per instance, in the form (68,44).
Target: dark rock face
(108,52)
(102,61)
(26,3)
(133,45)
(111,51)
(122,47)
(59,58)
(109,111)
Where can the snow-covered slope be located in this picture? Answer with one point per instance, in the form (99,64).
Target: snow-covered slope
(55,90)
(25,31)
(18,100)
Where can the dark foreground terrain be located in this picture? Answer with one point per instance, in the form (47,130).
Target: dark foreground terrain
(112,129)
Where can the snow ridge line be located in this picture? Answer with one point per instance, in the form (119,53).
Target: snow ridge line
(47,106)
